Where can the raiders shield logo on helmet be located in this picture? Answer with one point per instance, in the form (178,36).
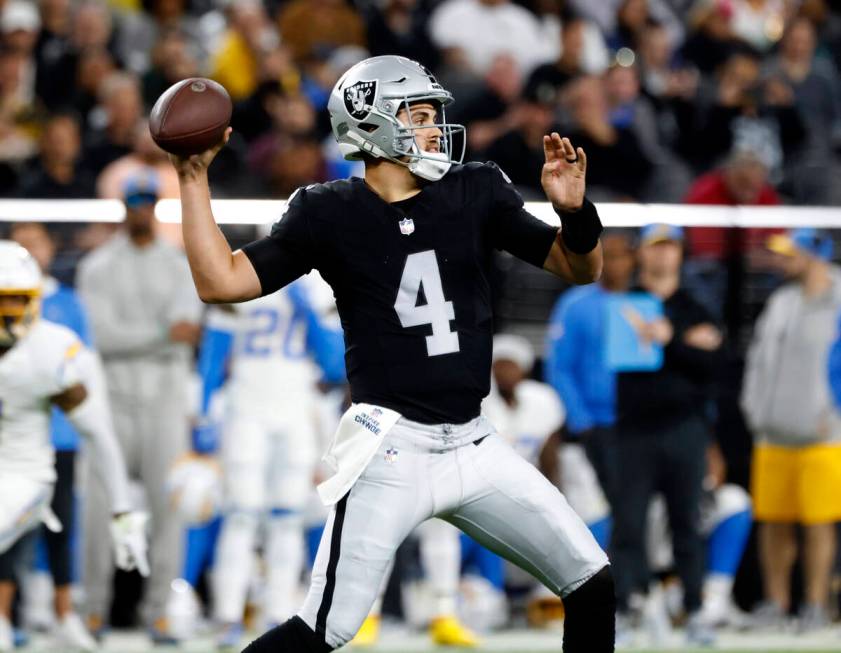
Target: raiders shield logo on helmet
(358,97)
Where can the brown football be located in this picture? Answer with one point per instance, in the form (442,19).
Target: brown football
(191,116)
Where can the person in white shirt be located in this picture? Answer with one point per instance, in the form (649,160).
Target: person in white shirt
(43,365)
(496,27)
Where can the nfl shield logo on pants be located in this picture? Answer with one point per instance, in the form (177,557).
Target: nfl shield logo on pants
(407,226)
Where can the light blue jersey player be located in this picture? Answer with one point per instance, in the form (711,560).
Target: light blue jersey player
(267,356)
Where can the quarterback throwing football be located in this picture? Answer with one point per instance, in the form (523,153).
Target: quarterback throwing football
(407,251)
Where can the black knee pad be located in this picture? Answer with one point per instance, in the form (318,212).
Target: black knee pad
(294,636)
(590,622)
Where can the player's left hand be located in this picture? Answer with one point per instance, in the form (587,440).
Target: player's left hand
(128,532)
(563,173)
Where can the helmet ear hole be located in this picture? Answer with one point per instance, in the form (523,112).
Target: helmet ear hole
(368,127)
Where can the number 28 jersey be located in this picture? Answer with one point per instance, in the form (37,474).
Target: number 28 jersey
(411,281)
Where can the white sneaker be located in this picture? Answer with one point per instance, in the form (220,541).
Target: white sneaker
(699,633)
(71,633)
(7,636)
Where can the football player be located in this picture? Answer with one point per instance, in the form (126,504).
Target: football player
(43,365)
(407,251)
(53,574)
(268,453)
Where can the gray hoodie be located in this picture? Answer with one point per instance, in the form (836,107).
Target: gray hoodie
(785,394)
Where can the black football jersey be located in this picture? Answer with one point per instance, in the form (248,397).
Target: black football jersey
(411,281)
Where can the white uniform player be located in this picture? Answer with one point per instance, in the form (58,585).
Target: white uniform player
(269,455)
(44,364)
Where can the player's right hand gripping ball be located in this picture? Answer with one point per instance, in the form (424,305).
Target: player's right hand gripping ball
(191,116)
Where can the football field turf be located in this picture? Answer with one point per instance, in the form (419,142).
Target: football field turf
(827,641)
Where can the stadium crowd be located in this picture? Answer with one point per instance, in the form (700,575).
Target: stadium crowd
(659,92)
(734,102)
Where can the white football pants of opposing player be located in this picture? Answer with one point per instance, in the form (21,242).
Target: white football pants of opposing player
(269,462)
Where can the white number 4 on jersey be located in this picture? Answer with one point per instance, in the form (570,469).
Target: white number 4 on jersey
(422,268)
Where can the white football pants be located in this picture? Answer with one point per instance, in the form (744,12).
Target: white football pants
(268,464)
(465,474)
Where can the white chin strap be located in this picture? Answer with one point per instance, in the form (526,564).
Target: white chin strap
(431,166)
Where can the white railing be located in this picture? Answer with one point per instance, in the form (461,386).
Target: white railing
(267,211)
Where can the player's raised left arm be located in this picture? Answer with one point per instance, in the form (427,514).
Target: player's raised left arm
(576,254)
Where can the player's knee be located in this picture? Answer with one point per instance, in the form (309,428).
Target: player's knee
(597,593)
(294,636)
(731,500)
(590,623)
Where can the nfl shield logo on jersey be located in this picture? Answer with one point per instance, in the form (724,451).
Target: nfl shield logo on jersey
(391,455)
(407,226)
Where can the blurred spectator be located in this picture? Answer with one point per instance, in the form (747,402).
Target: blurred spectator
(493,111)
(672,88)
(759,23)
(658,67)
(786,401)
(21,24)
(53,77)
(583,52)
(520,151)
(145,316)
(742,181)
(17,124)
(75,53)
(93,26)
(320,74)
(817,95)
(631,20)
(662,430)
(93,66)
(617,166)
(629,109)
(145,156)
(250,36)
(66,49)
(311,28)
(400,27)
(291,114)
(139,31)
(747,113)
(611,15)
(173,58)
(295,161)
(576,361)
(711,40)
(57,175)
(496,27)
(120,109)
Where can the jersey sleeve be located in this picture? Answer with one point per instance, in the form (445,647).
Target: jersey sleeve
(60,362)
(512,228)
(288,251)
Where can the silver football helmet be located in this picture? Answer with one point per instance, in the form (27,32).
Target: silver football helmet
(363,112)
